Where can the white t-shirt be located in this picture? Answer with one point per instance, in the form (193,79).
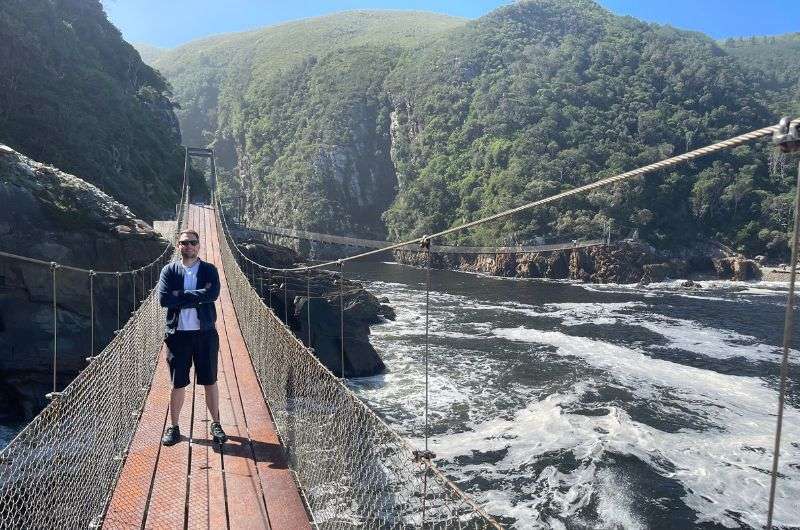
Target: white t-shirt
(188,320)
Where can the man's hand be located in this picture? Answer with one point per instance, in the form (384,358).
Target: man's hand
(208,285)
(175,293)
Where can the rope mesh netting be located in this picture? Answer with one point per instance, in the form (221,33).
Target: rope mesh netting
(355,470)
(61,469)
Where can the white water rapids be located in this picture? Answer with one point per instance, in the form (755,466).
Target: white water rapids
(569,406)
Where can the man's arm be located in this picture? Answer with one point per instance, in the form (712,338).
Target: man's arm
(166,297)
(206,295)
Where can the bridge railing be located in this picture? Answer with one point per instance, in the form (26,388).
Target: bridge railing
(354,469)
(60,470)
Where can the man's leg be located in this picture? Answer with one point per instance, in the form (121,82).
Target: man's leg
(180,361)
(176,403)
(212,401)
(205,364)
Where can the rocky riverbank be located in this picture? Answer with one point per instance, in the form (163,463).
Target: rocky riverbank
(623,262)
(287,294)
(54,216)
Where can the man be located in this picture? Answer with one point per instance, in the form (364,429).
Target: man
(190,335)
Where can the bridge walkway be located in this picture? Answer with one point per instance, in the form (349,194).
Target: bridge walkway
(197,484)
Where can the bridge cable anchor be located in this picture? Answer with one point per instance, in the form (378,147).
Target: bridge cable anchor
(425,243)
(54,395)
(420,455)
(787,135)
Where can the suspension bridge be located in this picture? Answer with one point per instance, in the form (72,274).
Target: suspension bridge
(355,243)
(304,451)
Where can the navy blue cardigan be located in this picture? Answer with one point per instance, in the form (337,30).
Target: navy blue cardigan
(202,299)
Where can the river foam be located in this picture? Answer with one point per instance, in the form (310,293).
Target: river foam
(566,422)
(723,468)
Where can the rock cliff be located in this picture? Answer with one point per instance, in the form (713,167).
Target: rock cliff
(287,294)
(75,95)
(624,262)
(54,216)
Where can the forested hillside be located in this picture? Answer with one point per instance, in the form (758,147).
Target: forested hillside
(435,121)
(300,109)
(545,95)
(775,61)
(75,95)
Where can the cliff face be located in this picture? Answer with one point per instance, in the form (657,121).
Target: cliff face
(75,95)
(619,263)
(54,216)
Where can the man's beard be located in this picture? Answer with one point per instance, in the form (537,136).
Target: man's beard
(185,254)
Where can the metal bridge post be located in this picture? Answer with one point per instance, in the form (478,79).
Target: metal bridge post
(91,310)
(119,275)
(308,304)
(341,312)
(788,327)
(285,301)
(54,394)
(426,457)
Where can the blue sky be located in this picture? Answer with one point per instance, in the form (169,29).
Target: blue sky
(168,23)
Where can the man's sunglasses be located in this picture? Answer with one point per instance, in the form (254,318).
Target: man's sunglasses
(192,242)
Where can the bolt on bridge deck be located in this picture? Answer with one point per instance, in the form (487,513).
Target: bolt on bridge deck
(197,484)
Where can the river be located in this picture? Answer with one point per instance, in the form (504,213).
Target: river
(564,405)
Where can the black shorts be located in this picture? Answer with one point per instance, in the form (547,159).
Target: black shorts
(185,348)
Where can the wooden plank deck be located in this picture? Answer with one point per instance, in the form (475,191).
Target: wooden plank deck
(195,483)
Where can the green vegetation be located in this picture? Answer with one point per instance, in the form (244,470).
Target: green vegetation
(73,94)
(775,61)
(325,123)
(301,109)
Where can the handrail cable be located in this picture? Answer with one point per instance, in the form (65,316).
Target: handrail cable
(662,164)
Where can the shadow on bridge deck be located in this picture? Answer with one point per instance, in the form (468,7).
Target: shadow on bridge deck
(195,484)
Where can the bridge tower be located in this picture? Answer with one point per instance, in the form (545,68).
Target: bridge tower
(201,152)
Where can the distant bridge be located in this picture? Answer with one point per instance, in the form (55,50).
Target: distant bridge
(354,242)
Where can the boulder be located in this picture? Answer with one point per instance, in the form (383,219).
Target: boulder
(54,216)
(287,294)
(737,268)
